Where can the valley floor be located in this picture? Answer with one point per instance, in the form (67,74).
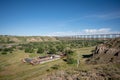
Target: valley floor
(12,68)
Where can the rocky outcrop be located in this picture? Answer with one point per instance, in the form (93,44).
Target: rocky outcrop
(107,52)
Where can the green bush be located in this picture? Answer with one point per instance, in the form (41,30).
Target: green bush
(52,51)
(1,49)
(3,53)
(29,50)
(48,70)
(70,60)
(55,67)
(60,48)
(8,49)
(40,50)
(69,52)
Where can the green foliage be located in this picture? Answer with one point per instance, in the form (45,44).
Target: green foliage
(70,60)
(29,50)
(60,48)
(48,70)
(1,49)
(69,57)
(52,51)
(6,50)
(3,53)
(55,67)
(57,47)
(69,52)
(40,50)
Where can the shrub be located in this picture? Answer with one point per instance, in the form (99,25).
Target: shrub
(52,51)
(8,49)
(40,50)
(69,52)
(60,48)
(29,50)
(0,49)
(70,60)
(5,50)
(48,70)
(4,53)
(55,67)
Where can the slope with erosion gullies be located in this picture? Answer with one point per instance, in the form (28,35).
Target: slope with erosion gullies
(108,52)
(14,39)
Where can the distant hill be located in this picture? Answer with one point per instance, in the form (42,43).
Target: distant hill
(15,39)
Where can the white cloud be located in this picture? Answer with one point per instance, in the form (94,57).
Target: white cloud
(97,31)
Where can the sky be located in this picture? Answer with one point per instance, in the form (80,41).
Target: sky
(59,17)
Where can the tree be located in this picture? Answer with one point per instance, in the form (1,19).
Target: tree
(8,50)
(60,48)
(69,52)
(70,60)
(55,66)
(29,50)
(40,50)
(52,51)
(4,53)
(69,57)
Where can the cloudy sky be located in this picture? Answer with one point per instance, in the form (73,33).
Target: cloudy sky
(59,17)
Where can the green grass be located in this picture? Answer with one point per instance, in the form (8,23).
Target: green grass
(12,68)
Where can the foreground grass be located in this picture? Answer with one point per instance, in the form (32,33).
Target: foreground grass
(12,68)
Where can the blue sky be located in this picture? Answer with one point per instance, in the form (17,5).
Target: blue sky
(59,17)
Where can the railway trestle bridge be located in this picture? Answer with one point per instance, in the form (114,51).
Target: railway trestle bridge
(90,37)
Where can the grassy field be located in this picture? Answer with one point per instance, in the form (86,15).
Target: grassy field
(12,68)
